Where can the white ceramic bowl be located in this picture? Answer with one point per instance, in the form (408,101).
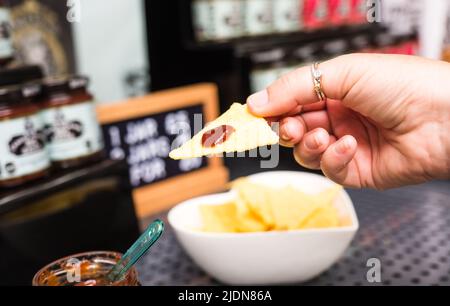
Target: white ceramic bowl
(270,257)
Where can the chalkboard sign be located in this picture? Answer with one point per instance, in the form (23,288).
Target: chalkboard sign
(143,131)
(145,143)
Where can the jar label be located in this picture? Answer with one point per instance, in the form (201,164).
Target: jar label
(227,19)
(359,8)
(287,15)
(258,17)
(22,147)
(72,131)
(344,8)
(6,46)
(203,20)
(321,10)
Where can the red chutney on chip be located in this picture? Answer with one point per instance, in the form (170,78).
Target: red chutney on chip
(217,136)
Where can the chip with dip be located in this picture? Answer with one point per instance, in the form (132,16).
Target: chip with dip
(236,130)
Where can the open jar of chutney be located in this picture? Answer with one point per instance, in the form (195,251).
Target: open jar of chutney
(84,270)
(71,129)
(23,155)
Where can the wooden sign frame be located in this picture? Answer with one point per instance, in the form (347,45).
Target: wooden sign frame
(160,196)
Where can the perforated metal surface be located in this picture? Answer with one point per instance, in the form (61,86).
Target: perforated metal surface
(407,229)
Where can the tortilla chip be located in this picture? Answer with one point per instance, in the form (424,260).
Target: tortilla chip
(255,198)
(219,218)
(258,208)
(291,207)
(250,132)
(323,217)
(249,222)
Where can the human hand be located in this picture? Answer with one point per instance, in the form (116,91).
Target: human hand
(385,123)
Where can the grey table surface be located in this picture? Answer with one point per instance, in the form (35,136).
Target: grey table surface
(407,229)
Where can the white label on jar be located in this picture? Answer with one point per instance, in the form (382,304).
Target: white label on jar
(345,8)
(6,47)
(227,16)
(22,147)
(321,12)
(258,17)
(72,131)
(203,20)
(362,7)
(287,15)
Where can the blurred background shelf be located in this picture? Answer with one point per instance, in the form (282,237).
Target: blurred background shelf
(16,198)
(247,45)
(90,208)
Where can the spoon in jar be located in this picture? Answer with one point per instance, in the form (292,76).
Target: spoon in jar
(136,251)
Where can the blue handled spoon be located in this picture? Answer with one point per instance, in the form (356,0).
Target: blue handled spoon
(137,250)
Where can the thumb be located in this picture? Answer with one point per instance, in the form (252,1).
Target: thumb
(297,87)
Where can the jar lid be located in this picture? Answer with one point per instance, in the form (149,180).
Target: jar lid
(20,75)
(384,40)
(268,56)
(307,52)
(31,90)
(64,84)
(19,94)
(335,47)
(11,94)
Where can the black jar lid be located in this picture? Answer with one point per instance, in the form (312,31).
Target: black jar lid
(19,94)
(31,90)
(64,84)
(10,95)
(20,75)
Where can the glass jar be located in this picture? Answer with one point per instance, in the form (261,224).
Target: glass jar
(333,48)
(384,43)
(6,45)
(201,19)
(340,11)
(287,15)
(264,68)
(23,155)
(71,129)
(20,75)
(360,43)
(85,269)
(217,20)
(307,54)
(359,12)
(315,14)
(227,19)
(258,17)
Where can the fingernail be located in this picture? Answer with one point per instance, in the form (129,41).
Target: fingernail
(258,99)
(285,134)
(288,131)
(315,142)
(291,130)
(343,146)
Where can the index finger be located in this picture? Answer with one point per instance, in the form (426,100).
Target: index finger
(297,88)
